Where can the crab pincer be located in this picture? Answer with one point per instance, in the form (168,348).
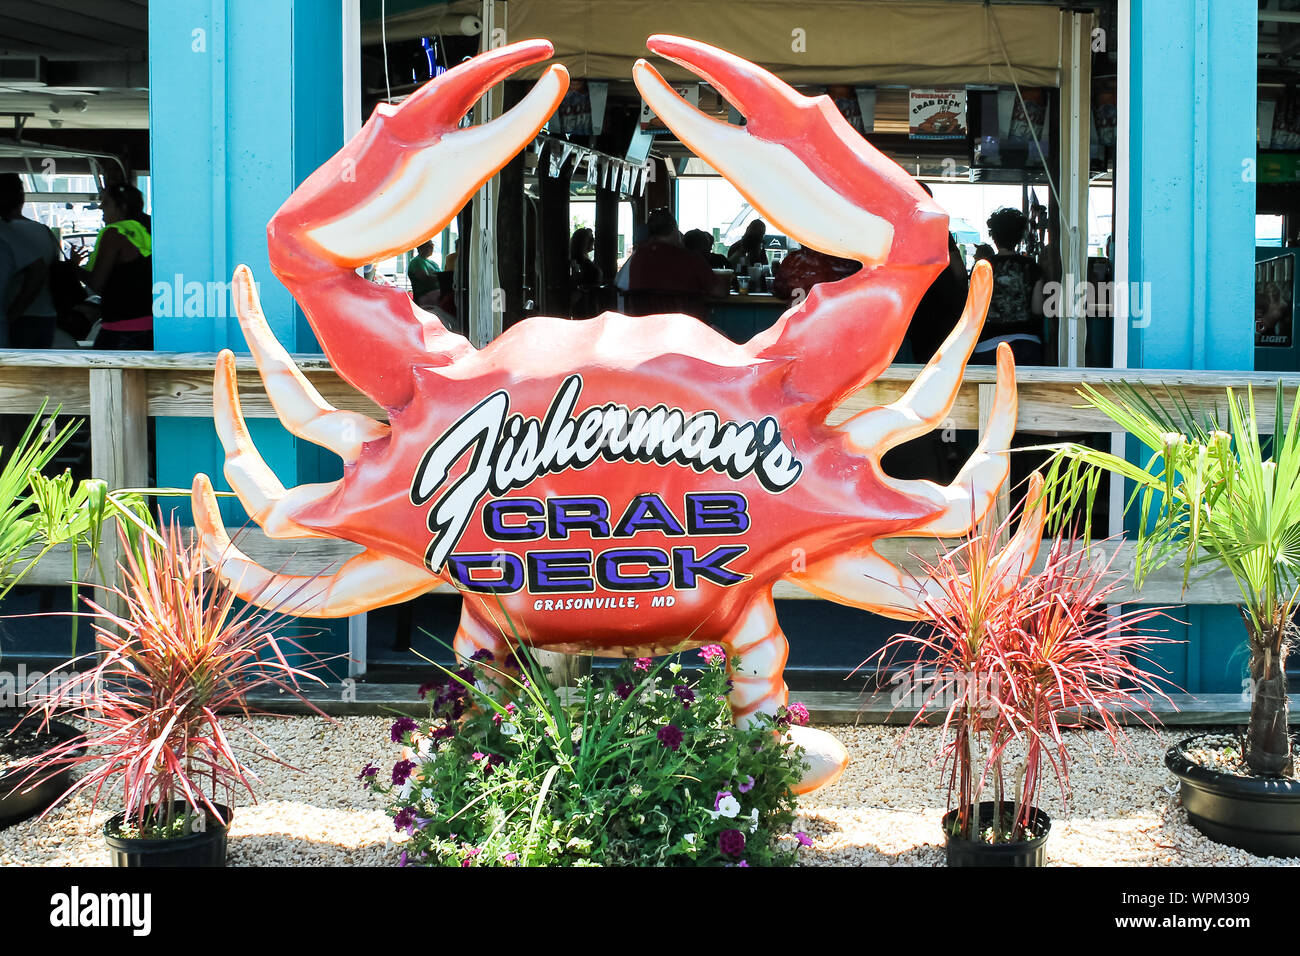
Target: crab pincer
(398,182)
(806,170)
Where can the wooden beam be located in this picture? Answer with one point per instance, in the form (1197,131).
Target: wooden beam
(119,453)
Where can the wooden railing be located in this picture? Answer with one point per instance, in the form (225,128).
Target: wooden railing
(117,391)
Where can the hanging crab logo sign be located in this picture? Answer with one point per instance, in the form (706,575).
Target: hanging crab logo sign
(621,486)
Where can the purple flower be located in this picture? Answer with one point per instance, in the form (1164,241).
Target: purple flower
(642,664)
(402,726)
(731,842)
(368,774)
(482,655)
(684,694)
(742,863)
(401,770)
(798,714)
(718,799)
(670,736)
(423,689)
(746,786)
(624,691)
(713,652)
(401,859)
(443,732)
(404,818)
(803,839)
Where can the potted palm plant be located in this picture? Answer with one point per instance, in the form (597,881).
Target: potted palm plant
(1013,658)
(165,703)
(1219,500)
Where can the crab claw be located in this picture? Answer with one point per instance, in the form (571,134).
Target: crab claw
(798,161)
(379,196)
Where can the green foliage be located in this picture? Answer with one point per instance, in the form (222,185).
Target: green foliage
(1206,496)
(39,513)
(521,777)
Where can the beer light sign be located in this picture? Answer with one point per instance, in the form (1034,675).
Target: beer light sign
(616,486)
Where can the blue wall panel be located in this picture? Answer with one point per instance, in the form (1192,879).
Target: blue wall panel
(245,101)
(1191,237)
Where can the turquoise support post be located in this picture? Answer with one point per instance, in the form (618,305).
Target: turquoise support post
(1191,228)
(1191,209)
(245,100)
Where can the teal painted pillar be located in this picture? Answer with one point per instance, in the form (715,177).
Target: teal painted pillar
(1191,236)
(1191,199)
(246,100)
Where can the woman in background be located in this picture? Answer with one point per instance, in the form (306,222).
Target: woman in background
(120,270)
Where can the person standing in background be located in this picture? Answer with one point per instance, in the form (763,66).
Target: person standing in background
(748,249)
(701,242)
(28,305)
(1016,308)
(938,311)
(120,269)
(423,273)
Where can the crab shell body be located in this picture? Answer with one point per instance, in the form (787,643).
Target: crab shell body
(622,486)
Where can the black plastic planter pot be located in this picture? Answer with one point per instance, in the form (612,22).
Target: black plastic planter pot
(1025,853)
(1257,814)
(203,848)
(17,806)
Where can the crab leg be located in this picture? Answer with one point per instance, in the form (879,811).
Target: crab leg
(299,406)
(973,492)
(397,183)
(802,166)
(934,392)
(864,579)
(925,405)
(259,490)
(363,582)
(473,635)
(756,656)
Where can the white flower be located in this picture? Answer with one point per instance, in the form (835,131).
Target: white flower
(423,747)
(509,729)
(728,806)
(690,838)
(426,793)
(753,820)
(404,791)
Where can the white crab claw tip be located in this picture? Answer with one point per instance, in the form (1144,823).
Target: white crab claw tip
(438,180)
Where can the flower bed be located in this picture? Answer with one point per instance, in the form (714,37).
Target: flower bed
(640,768)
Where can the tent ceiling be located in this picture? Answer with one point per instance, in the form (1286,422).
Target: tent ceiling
(910,42)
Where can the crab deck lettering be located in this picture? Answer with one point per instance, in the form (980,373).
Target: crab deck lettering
(510,451)
(615,569)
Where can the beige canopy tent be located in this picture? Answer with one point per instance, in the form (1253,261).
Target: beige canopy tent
(909,42)
(858,42)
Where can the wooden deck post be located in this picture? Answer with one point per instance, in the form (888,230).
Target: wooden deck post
(119,449)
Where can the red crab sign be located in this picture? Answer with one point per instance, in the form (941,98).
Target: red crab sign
(623,486)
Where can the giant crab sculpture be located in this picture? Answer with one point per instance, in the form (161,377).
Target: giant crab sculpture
(622,486)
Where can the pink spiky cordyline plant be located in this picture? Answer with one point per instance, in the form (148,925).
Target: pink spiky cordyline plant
(166,694)
(1021,655)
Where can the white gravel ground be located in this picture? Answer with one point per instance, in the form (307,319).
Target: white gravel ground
(885,811)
